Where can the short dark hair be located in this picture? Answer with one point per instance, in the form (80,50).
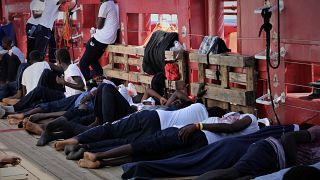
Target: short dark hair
(7,40)
(63,56)
(35,56)
(302,173)
(216,111)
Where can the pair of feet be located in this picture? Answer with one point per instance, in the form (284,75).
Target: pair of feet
(7,159)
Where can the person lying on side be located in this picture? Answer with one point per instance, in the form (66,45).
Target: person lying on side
(173,141)
(267,156)
(221,154)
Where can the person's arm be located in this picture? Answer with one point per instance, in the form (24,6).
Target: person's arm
(152,93)
(177,95)
(78,86)
(55,67)
(236,126)
(89,96)
(101,16)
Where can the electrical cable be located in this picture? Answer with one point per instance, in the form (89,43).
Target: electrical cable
(267,26)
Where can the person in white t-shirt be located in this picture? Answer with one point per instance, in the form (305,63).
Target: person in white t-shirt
(106,33)
(141,124)
(32,74)
(36,9)
(46,21)
(73,82)
(73,79)
(173,141)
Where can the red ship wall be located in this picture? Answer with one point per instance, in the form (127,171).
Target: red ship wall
(197,18)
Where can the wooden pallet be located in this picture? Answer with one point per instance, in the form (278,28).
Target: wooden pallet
(227,93)
(122,58)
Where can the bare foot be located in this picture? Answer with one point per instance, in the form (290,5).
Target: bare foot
(10,102)
(13,121)
(32,127)
(59,145)
(16,116)
(35,117)
(89,164)
(3,104)
(7,159)
(90,156)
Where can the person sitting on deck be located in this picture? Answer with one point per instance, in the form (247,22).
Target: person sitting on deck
(9,64)
(168,142)
(267,156)
(222,154)
(73,81)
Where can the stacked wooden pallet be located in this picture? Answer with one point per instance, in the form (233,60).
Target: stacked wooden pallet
(125,62)
(227,92)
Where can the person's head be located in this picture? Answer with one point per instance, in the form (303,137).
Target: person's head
(63,57)
(302,173)
(7,43)
(35,56)
(216,111)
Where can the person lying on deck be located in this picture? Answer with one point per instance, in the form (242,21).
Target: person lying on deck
(219,155)
(7,159)
(73,81)
(267,156)
(170,142)
(141,124)
(110,106)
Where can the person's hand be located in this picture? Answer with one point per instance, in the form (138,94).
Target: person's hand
(85,99)
(60,80)
(163,101)
(186,131)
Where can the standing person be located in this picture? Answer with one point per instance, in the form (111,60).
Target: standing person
(44,29)
(106,33)
(36,8)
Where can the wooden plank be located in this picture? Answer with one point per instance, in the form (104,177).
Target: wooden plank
(111,59)
(235,96)
(251,79)
(182,69)
(174,55)
(126,65)
(238,78)
(116,74)
(224,76)
(199,58)
(223,105)
(130,50)
(231,60)
(201,73)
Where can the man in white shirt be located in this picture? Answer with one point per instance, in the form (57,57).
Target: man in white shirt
(46,21)
(106,33)
(73,81)
(36,8)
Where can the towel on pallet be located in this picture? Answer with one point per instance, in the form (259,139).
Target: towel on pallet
(154,53)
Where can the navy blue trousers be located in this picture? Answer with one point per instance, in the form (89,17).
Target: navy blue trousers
(219,155)
(110,105)
(38,95)
(136,125)
(94,51)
